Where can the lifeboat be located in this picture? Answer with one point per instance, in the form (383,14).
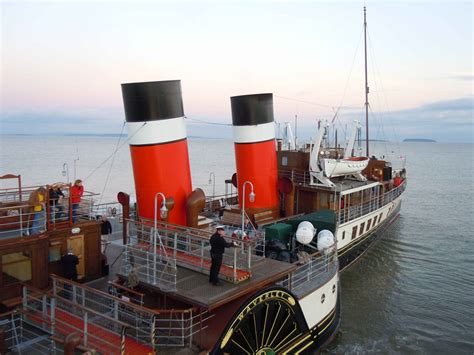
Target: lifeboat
(343,167)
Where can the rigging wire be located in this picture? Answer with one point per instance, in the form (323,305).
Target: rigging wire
(115,151)
(111,164)
(208,122)
(349,76)
(312,102)
(303,101)
(389,115)
(336,112)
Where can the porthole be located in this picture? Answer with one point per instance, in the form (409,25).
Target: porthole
(323,297)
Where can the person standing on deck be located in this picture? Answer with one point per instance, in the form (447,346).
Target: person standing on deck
(105,231)
(77,190)
(218,245)
(69,262)
(56,197)
(37,202)
(397,181)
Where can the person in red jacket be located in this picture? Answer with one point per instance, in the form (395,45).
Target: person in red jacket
(77,190)
(397,181)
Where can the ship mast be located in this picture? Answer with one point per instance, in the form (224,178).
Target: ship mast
(366,90)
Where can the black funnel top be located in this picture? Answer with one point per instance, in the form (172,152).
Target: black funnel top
(153,100)
(249,110)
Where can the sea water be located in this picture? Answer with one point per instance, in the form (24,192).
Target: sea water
(413,292)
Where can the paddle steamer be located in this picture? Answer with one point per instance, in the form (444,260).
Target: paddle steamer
(161,297)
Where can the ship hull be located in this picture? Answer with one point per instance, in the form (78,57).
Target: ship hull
(350,251)
(305,324)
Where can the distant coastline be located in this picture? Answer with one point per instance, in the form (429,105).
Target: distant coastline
(103,135)
(419,140)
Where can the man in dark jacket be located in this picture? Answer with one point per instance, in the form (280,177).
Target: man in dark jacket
(69,262)
(106,231)
(218,245)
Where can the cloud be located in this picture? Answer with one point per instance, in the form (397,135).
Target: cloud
(463,77)
(462,104)
(61,120)
(446,120)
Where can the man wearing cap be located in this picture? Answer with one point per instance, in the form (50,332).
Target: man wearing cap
(218,245)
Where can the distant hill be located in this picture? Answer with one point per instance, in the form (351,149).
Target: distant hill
(419,140)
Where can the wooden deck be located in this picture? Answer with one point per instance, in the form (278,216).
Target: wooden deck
(194,287)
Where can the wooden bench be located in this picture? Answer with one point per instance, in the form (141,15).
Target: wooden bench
(231,218)
(12,302)
(263,217)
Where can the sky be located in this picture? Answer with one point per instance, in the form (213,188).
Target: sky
(62,63)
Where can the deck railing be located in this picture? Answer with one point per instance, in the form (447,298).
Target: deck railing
(59,316)
(154,254)
(312,272)
(355,211)
(20,336)
(300,177)
(346,214)
(216,202)
(18,218)
(152,327)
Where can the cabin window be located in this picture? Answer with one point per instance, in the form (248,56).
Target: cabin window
(361,230)
(369,222)
(16,267)
(354,232)
(54,253)
(284,161)
(343,234)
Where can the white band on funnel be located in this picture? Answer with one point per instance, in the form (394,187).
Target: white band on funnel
(252,134)
(156,132)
